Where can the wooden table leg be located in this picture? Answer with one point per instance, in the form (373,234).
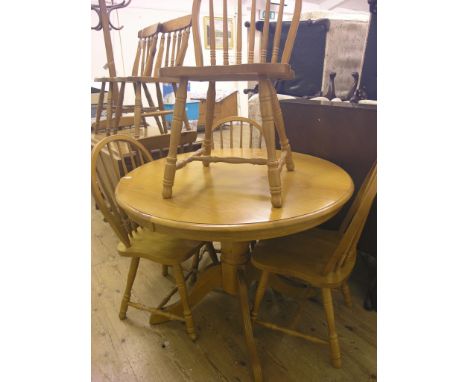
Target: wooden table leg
(209,279)
(248,332)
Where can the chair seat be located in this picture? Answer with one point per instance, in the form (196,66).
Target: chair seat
(159,247)
(303,256)
(242,72)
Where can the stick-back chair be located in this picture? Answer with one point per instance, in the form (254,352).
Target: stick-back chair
(321,258)
(137,242)
(159,45)
(263,72)
(242,132)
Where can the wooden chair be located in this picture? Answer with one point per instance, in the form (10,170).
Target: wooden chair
(321,258)
(137,242)
(159,45)
(229,139)
(263,72)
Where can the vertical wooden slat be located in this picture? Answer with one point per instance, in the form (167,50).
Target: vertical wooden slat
(110,100)
(168,49)
(143,56)
(138,105)
(265,33)
(136,63)
(241,134)
(132,154)
(277,38)
(150,58)
(118,111)
(196,32)
(231,130)
(288,46)
(159,58)
(212,35)
(239,33)
(122,159)
(221,135)
(174,43)
(225,34)
(179,43)
(251,136)
(252,32)
(183,48)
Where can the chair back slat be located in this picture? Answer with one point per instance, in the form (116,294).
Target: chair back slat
(264,41)
(265,33)
(145,50)
(225,34)
(212,35)
(288,46)
(229,121)
(239,33)
(346,249)
(112,158)
(159,58)
(184,46)
(168,49)
(253,10)
(277,38)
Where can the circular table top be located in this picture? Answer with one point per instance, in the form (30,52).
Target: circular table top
(232,201)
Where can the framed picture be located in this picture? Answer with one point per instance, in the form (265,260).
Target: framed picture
(218,32)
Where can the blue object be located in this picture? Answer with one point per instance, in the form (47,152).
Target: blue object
(191,108)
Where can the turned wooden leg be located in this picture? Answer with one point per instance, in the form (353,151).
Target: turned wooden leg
(261,288)
(195,264)
(138,106)
(212,252)
(332,336)
(210,106)
(248,332)
(346,294)
(171,160)
(186,121)
(165,270)
(180,282)
(128,289)
(269,135)
(279,123)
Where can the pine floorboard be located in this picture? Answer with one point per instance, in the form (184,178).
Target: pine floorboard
(132,350)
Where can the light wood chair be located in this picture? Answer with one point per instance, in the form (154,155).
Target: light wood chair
(252,129)
(321,258)
(159,45)
(136,242)
(263,72)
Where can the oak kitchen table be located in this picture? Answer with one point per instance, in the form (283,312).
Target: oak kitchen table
(231,204)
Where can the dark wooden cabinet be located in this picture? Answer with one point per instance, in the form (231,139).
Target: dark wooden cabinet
(343,133)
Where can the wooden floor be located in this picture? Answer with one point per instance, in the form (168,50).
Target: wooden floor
(132,350)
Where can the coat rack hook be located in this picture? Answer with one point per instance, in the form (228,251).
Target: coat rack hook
(109,9)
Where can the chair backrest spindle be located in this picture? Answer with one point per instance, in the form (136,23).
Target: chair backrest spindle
(239,33)
(264,42)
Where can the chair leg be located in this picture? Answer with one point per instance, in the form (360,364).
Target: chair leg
(262,284)
(212,252)
(165,270)
(346,294)
(279,123)
(332,336)
(128,289)
(180,282)
(269,135)
(195,264)
(171,160)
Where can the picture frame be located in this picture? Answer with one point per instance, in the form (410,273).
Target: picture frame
(218,32)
